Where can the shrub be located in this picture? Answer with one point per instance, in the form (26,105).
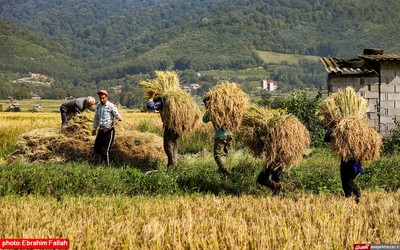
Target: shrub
(301,105)
(392,144)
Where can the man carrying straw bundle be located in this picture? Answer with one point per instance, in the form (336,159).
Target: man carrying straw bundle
(179,113)
(225,105)
(170,136)
(73,107)
(106,113)
(351,137)
(280,138)
(222,142)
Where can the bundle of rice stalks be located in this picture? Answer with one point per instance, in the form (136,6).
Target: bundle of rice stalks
(180,113)
(354,138)
(282,138)
(75,143)
(226,105)
(341,104)
(137,145)
(164,82)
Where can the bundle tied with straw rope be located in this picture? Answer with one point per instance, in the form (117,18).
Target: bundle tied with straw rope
(281,138)
(352,137)
(226,105)
(179,113)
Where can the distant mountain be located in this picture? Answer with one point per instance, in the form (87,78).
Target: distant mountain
(23,52)
(123,37)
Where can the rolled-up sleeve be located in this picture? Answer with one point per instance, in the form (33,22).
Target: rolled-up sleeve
(206,118)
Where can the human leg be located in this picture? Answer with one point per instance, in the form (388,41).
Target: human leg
(221,147)
(171,146)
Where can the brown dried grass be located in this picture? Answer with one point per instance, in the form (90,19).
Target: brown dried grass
(281,138)
(340,105)
(354,138)
(75,143)
(227,104)
(180,113)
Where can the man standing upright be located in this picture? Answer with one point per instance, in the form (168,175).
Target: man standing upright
(171,137)
(222,143)
(74,107)
(106,112)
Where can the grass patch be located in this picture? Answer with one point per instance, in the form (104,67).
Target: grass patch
(280,58)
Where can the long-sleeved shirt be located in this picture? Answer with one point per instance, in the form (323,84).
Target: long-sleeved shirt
(75,106)
(219,132)
(155,105)
(105,115)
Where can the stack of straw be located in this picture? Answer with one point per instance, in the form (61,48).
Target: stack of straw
(75,143)
(179,113)
(227,104)
(282,138)
(352,137)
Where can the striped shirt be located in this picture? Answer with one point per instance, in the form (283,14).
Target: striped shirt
(105,115)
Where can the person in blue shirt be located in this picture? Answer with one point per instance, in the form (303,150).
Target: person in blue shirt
(222,143)
(349,169)
(106,113)
(170,137)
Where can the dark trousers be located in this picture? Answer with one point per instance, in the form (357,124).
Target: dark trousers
(103,142)
(347,175)
(64,116)
(221,147)
(171,146)
(270,177)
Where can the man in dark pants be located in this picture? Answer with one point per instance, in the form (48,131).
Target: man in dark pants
(222,143)
(106,112)
(170,136)
(271,177)
(348,172)
(73,107)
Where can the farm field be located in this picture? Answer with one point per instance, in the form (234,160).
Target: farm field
(192,207)
(302,221)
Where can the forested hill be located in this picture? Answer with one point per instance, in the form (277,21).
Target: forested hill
(22,52)
(122,37)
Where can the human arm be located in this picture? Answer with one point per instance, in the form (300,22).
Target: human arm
(116,113)
(206,117)
(328,135)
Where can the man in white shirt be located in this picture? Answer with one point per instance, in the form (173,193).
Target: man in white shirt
(106,112)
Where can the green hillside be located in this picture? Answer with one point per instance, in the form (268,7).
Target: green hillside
(127,36)
(22,52)
(117,41)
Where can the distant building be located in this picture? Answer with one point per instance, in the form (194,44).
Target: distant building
(117,89)
(15,106)
(376,77)
(268,85)
(195,86)
(35,96)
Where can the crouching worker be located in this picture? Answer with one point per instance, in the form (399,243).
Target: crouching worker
(222,143)
(106,112)
(73,107)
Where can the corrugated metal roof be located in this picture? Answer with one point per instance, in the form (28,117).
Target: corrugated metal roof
(384,57)
(335,66)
